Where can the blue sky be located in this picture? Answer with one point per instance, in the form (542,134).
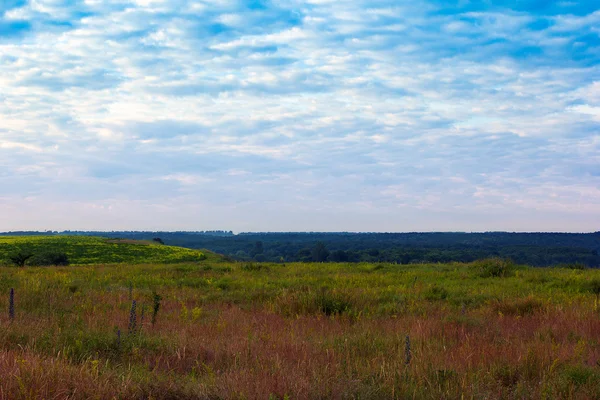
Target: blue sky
(289,115)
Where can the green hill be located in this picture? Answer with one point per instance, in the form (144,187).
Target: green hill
(83,250)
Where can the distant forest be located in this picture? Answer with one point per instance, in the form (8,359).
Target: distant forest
(537,249)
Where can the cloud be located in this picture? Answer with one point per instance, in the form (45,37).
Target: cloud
(330,115)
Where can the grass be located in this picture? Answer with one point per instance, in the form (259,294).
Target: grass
(85,250)
(299,331)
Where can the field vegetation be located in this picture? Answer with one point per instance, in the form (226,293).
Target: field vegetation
(85,250)
(215,329)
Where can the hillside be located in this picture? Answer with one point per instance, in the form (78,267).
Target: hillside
(84,250)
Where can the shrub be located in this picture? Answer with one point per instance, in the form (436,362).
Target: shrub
(53,258)
(223,284)
(378,267)
(20,257)
(579,375)
(593,286)
(254,267)
(323,301)
(331,304)
(494,267)
(436,292)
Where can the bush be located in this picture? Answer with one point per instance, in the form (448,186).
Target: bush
(254,267)
(54,258)
(378,267)
(323,301)
(593,286)
(578,375)
(331,304)
(436,292)
(494,267)
(20,257)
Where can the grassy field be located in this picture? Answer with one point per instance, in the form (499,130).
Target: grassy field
(82,250)
(220,330)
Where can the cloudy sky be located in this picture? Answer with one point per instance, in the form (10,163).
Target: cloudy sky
(290,115)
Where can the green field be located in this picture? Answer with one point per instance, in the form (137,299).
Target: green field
(85,250)
(215,329)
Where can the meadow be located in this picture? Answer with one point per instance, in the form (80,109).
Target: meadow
(85,250)
(216,329)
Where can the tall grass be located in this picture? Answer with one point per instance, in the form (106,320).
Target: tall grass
(300,331)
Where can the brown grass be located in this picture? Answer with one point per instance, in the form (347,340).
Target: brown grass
(63,344)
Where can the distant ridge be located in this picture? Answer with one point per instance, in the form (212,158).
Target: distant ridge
(537,249)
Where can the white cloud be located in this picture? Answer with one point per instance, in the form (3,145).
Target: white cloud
(19,146)
(348,107)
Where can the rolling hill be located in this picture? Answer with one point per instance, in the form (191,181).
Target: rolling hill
(85,250)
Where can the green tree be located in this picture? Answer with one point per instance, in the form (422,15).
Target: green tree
(320,252)
(304,255)
(20,257)
(338,256)
(50,258)
(258,248)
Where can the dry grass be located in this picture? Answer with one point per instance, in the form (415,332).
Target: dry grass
(266,333)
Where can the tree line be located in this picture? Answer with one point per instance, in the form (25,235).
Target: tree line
(537,249)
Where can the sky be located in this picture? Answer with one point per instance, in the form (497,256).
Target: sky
(290,115)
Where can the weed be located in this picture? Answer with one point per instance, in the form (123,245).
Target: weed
(464,321)
(331,303)
(378,267)
(436,292)
(196,313)
(520,307)
(579,375)
(445,375)
(494,268)
(507,375)
(594,286)
(323,301)
(254,267)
